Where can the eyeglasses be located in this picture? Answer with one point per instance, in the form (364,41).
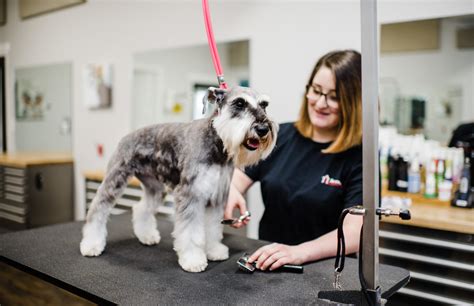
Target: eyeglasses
(313,92)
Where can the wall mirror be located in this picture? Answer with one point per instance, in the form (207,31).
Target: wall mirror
(427,76)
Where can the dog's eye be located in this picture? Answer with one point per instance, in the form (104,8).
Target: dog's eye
(240,103)
(263,104)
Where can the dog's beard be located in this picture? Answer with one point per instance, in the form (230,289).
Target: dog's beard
(234,131)
(246,157)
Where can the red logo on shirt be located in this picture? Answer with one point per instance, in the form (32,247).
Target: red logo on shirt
(326,180)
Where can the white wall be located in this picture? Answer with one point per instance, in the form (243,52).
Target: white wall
(286,39)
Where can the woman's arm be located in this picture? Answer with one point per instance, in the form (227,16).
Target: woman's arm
(326,245)
(239,185)
(275,255)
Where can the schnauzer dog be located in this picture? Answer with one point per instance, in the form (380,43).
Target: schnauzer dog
(196,160)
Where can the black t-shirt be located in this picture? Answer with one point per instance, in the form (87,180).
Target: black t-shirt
(304,190)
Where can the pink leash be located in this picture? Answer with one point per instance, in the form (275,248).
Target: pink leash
(212,46)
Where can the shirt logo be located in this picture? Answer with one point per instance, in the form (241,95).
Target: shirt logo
(327,180)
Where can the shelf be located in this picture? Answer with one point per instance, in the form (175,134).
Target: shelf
(434,214)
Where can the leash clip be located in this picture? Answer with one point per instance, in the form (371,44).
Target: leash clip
(221,81)
(337,280)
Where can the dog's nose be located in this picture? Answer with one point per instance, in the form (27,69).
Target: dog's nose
(261,130)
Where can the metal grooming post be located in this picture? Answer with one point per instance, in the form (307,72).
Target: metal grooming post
(370,255)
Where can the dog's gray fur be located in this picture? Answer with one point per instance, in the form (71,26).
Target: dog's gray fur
(194,159)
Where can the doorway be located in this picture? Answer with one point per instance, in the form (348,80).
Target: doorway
(3,126)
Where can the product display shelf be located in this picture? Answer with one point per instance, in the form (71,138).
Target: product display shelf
(436,246)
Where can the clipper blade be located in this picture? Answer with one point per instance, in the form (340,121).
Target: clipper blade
(243,264)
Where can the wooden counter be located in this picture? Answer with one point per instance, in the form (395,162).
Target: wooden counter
(98,175)
(434,214)
(23,160)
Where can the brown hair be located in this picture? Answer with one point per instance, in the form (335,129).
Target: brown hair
(346,66)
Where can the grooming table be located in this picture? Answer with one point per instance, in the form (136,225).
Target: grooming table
(131,273)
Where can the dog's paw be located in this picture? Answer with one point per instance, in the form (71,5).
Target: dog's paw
(218,252)
(92,247)
(193,261)
(149,238)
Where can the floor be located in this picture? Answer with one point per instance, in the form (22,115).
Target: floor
(4,230)
(20,288)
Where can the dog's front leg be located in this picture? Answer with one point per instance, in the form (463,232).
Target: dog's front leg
(215,250)
(189,233)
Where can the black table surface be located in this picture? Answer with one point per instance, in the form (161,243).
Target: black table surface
(131,273)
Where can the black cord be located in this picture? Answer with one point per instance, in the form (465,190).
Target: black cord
(341,243)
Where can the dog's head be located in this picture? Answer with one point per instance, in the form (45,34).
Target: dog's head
(242,123)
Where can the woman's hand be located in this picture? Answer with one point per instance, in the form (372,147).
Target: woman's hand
(236,200)
(275,255)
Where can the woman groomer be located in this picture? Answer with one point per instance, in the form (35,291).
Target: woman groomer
(314,172)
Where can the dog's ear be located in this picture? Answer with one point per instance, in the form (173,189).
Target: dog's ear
(214,96)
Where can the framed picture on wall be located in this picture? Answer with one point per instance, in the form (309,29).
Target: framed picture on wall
(97,80)
(31,8)
(29,100)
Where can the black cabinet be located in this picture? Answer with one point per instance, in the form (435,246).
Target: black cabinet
(440,264)
(36,195)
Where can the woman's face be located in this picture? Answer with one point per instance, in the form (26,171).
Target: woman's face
(323,103)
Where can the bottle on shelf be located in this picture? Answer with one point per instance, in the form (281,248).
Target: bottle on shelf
(392,171)
(445,188)
(384,154)
(402,175)
(464,196)
(458,164)
(414,177)
(430,180)
(439,175)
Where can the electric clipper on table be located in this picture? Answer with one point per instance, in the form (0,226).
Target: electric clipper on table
(245,266)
